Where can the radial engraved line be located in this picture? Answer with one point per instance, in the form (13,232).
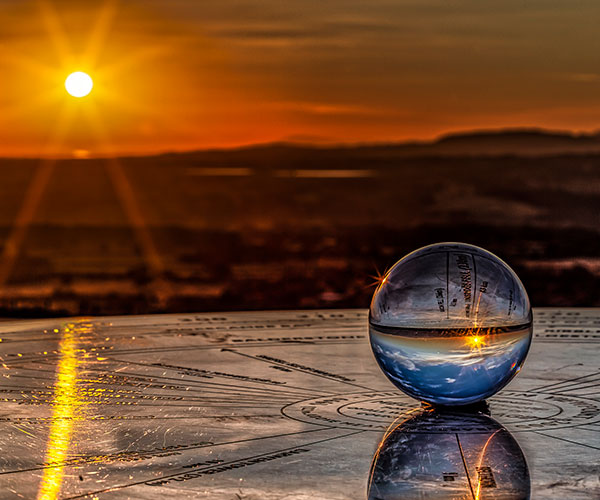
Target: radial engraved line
(204,347)
(582,387)
(197,383)
(300,445)
(211,445)
(299,369)
(462,456)
(584,428)
(308,391)
(567,440)
(199,387)
(588,395)
(562,382)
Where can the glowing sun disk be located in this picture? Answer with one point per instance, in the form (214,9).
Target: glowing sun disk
(79,84)
(475,342)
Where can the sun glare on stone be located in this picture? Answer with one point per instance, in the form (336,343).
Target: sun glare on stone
(79,84)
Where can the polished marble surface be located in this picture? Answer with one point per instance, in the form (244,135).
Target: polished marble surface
(282,405)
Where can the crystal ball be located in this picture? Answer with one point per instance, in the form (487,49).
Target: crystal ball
(438,455)
(450,324)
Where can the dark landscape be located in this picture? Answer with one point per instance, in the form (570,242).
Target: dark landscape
(286,226)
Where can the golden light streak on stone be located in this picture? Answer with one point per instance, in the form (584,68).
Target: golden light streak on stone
(66,408)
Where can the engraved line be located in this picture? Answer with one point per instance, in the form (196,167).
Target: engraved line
(594,383)
(268,390)
(272,362)
(589,430)
(48,466)
(131,393)
(113,488)
(567,440)
(141,388)
(588,395)
(271,388)
(462,455)
(39,358)
(563,382)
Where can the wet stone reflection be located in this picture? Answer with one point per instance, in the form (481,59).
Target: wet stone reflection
(443,454)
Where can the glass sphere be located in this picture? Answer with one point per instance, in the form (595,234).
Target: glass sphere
(450,324)
(438,455)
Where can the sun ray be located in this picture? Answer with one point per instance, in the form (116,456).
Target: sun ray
(32,198)
(378,278)
(143,55)
(134,214)
(129,104)
(476,342)
(20,60)
(100,31)
(56,32)
(52,96)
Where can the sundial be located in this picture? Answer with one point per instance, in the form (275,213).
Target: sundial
(282,405)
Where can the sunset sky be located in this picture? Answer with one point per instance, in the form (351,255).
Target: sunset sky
(184,74)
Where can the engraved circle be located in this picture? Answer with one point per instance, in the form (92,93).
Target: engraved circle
(519,410)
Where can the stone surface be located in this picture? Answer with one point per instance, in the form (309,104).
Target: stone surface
(274,405)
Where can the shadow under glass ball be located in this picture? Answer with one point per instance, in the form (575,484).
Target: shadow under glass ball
(444,455)
(450,324)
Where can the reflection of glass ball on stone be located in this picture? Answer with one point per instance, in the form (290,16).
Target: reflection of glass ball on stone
(450,324)
(440,455)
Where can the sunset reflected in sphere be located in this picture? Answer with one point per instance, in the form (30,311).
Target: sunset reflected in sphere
(450,324)
(79,84)
(445,455)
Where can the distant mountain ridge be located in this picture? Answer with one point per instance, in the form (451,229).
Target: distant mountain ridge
(512,142)
(517,141)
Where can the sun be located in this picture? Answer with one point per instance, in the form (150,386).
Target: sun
(79,84)
(475,342)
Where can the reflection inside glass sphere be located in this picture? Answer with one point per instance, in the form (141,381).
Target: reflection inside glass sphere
(438,454)
(450,324)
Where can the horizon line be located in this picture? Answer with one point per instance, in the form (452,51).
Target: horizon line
(317,145)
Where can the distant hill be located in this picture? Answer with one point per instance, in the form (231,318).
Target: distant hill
(517,142)
(512,142)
